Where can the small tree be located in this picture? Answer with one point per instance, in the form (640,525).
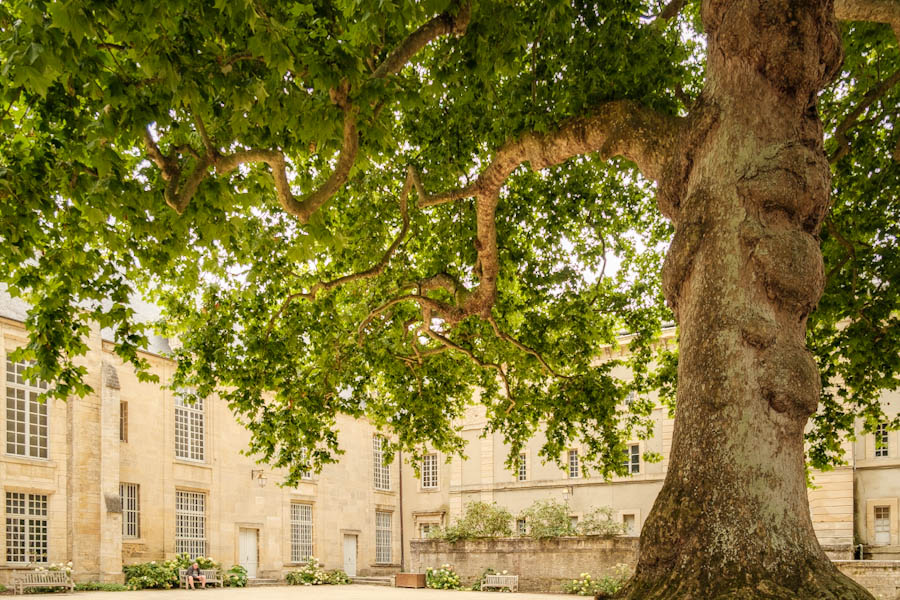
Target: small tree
(480,520)
(548,519)
(600,522)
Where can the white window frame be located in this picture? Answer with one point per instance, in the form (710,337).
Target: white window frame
(131,510)
(28,414)
(425,529)
(633,459)
(521,527)
(522,471)
(27,528)
(882,525)
(301,531)
(381,471)
(882,441)
(383,536)
(574,464)
(190,523)
(190,430)
(430,472)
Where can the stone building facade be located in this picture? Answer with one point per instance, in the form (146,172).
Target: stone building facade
(130,474)
(851,505)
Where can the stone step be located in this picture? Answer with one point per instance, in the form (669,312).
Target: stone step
(386,581)
(256,582)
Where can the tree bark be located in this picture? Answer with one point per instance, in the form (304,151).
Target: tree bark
(747,193)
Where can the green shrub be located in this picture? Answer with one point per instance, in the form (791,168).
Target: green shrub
(548,519)
(96,586)
(604,587)
(444,578)
(338,577)
(311,573)
(163,575)
(600,522)
(481,520)
(236,576)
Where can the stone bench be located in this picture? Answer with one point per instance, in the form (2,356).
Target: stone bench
(213,577)
(501,581)
(42,579)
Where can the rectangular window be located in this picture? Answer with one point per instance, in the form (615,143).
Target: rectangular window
(131,510)
(123,421)
(629,522)
(883,525)
(26,528)
(26,417)
(430,472)
(382,537)
(189,429)
(382,471)
(301,532)
(574,470)
(425,529)
(633,459)
(523,467)
(573,523)
(190,523)
(521,526)
(881,440)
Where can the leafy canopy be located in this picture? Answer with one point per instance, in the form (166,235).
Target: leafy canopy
(232,161)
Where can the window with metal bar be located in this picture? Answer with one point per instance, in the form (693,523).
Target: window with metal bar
(190,523)
(26,418)
(382,470)
(301,532)
(383,537)
(131,510)
(26,528)
(189,429)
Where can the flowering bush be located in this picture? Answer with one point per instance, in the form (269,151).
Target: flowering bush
(236,576)
(601,521)
(605,587)
(444,578)
(164,574)
(338,577)
(481,520)
(311,573)
(67,567)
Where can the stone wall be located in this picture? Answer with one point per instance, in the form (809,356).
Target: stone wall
(542,565)
(545,565)
(881,577)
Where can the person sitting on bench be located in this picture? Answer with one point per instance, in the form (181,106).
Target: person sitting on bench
(194,573)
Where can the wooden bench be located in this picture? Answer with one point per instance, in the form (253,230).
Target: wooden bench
(501,581)
(213,577)
(42,579)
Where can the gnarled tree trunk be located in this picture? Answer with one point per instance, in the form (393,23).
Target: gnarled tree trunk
(747,195)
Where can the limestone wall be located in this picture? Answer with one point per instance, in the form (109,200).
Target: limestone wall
(542,565)
(881,577)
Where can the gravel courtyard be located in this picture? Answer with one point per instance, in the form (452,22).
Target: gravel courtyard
(321,592)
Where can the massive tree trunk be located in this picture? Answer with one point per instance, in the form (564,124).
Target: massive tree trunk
(747,195)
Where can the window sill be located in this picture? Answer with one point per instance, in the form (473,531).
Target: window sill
(382,565)
(192,463)
(27,460)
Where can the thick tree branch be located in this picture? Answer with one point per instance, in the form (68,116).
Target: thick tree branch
(443,24)
(873,11)
(669,11)
(840,133)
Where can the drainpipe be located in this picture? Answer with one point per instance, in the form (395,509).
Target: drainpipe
(402,543)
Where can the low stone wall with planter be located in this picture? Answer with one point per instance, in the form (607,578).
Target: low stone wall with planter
(542,565)
(881,577)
